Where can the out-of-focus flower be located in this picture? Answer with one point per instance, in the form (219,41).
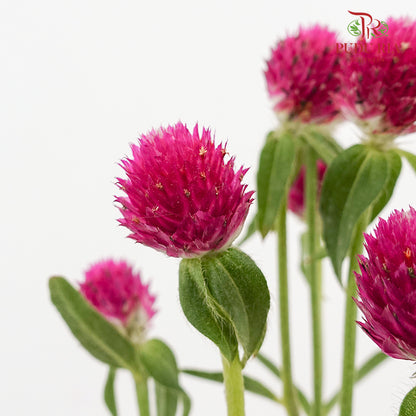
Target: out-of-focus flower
(387,285)
(296,197)
(119,294)
(182,197)
(379,82)
(301,75)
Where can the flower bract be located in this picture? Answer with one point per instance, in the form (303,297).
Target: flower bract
(118,293)
(379,81)
(182,193)
(301,75)
(387,285)
(296,196)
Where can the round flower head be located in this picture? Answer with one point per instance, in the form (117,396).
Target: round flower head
(379,81)
(182,196)
(302,73)
(387,285)
(296,197)
(119,294)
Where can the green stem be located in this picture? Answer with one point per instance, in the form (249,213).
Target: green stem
(315,279)
(234,386)
(359,374)
(142,392)
(273,368)
(350,326)
(288,389)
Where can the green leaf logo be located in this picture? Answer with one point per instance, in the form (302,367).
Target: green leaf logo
(353,28)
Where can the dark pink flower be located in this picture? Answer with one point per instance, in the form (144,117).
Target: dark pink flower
(119,294)
(387,285)
(379,82)
(302,73)
(296,195)
(182,196)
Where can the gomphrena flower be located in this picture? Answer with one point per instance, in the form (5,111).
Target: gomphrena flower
(387,285)
(302,73)
(379,82)
(119,294)
(296,197)
(182,196)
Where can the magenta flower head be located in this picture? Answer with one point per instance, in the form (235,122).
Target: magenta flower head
(181,195)
(379,82)
(301,75)
(296,197)
(387,285)
(119,294)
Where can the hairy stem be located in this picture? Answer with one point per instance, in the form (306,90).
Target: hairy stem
(234,386)
(142,392)
(288,389)
(315,279)
(350,327)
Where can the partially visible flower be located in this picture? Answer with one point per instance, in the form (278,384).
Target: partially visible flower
(387,285)
(302,73)
(296,197)
(379,82)
(119,294)
(182,196)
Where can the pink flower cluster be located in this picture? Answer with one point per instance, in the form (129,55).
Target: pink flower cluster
(379,81)
(181,195)
(302,73)
(387,285)
(296,197)
(118,293)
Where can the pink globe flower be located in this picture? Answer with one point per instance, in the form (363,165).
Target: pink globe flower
(387,285)
(296,197)
(379,82)
(302,73)
(182,196)
(119,294)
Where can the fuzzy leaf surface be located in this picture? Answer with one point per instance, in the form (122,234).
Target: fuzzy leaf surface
(277,162)
(98,336)
(353,181)
(198,308)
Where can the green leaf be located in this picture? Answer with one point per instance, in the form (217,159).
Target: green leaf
(250,384)
(372,363)
(239,288)
(199,309)
(93,331)
(160,363)
(325,146)
(166,400)
(411,158)
(225,296)
(273,368)
(393,171)
(408,406)
(352,183)
(186,404)
(277,161)
(109,396)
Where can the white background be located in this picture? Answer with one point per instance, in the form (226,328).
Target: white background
(79,81)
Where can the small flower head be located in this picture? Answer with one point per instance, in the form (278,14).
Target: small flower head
(296,199)
(119,294)
(302,73)
(379,82)
(182,196)
(387,285)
